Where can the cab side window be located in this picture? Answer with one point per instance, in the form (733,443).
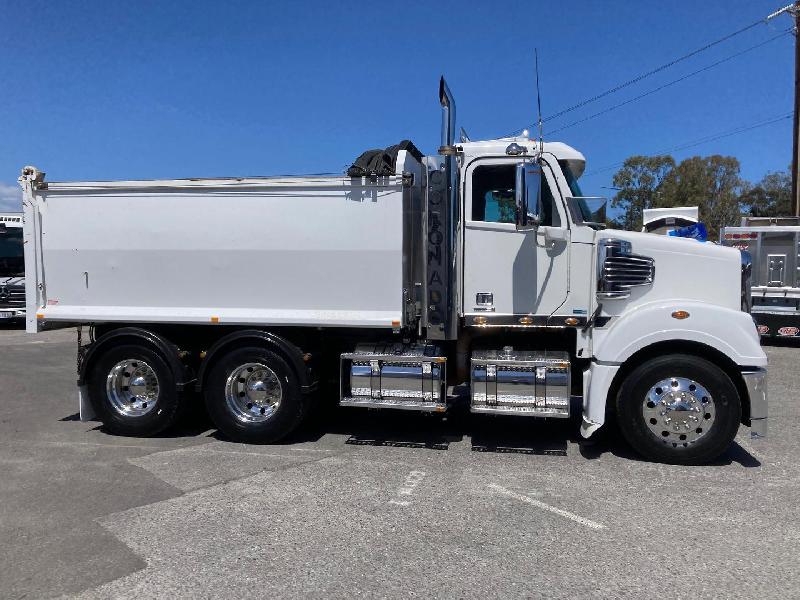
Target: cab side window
(493,196)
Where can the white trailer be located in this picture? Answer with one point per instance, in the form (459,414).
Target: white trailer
(484,265)
(12,269)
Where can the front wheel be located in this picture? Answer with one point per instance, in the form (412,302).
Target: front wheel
(678,409)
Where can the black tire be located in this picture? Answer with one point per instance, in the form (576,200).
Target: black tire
(290,410)
(669,447)
(160,416)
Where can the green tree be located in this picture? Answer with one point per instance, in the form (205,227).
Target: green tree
(639,181)
(711,183)
(770,197)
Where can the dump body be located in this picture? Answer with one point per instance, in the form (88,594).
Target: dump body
(774,245)
(324,251)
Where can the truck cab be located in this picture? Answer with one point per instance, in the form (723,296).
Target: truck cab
(536,259)
(534,279)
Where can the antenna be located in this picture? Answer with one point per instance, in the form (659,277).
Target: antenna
(539,103)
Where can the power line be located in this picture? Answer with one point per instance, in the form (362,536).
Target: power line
(673,82)
(662,67)
(704,140)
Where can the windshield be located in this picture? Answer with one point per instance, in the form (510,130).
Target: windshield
(11,261)
(592,210)
(586,210)
(572,181)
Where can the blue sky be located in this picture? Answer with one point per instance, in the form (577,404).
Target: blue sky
(140,89)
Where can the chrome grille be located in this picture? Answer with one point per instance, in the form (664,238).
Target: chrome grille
(619,269)
(12,296)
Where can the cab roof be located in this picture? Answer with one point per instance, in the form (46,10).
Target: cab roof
(562,151)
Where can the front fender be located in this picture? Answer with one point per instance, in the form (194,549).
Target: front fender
(728,331)
(731,332)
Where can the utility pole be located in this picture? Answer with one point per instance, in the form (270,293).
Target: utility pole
(795,12)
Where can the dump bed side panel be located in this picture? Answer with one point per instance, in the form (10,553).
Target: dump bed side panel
(324,252)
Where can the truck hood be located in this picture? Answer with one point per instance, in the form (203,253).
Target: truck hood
(685,269)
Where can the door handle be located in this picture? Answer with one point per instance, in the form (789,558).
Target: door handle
(553,234)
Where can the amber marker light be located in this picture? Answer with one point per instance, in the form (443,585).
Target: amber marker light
(481,320)
(680,314)
(215,319)
(526,320)
(571,321)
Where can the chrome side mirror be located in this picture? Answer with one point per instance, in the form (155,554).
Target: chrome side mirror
(527,195)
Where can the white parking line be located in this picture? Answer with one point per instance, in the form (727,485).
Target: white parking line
(413,479)
(539,504)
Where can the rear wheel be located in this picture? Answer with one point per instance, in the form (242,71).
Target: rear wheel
(132,390)
(678,409)
(254,396)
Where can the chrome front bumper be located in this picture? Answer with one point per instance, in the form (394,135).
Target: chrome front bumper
(756,382)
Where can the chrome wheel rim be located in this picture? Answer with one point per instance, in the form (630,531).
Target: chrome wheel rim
(253,392)
(132,388)
(678,411)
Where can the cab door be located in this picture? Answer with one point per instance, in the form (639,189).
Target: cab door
(510,273)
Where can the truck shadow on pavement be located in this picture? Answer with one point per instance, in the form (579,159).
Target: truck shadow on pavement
(499,434)
(430,431)
(612,442)
(433,431)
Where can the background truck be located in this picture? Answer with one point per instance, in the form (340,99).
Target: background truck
(774,245)
(12,268)
(483,265)
(662,220)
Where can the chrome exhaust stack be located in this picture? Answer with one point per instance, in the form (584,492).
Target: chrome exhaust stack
(442,220)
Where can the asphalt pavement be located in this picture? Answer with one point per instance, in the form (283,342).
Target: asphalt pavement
(368,504)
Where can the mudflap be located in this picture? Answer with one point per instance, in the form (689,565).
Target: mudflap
(777,324)
(84,406)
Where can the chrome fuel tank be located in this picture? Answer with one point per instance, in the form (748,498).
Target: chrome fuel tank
(520,382)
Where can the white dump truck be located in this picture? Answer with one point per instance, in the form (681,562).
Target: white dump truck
(12,268)
(483,267)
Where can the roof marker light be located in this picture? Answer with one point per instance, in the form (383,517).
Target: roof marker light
(514,149)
